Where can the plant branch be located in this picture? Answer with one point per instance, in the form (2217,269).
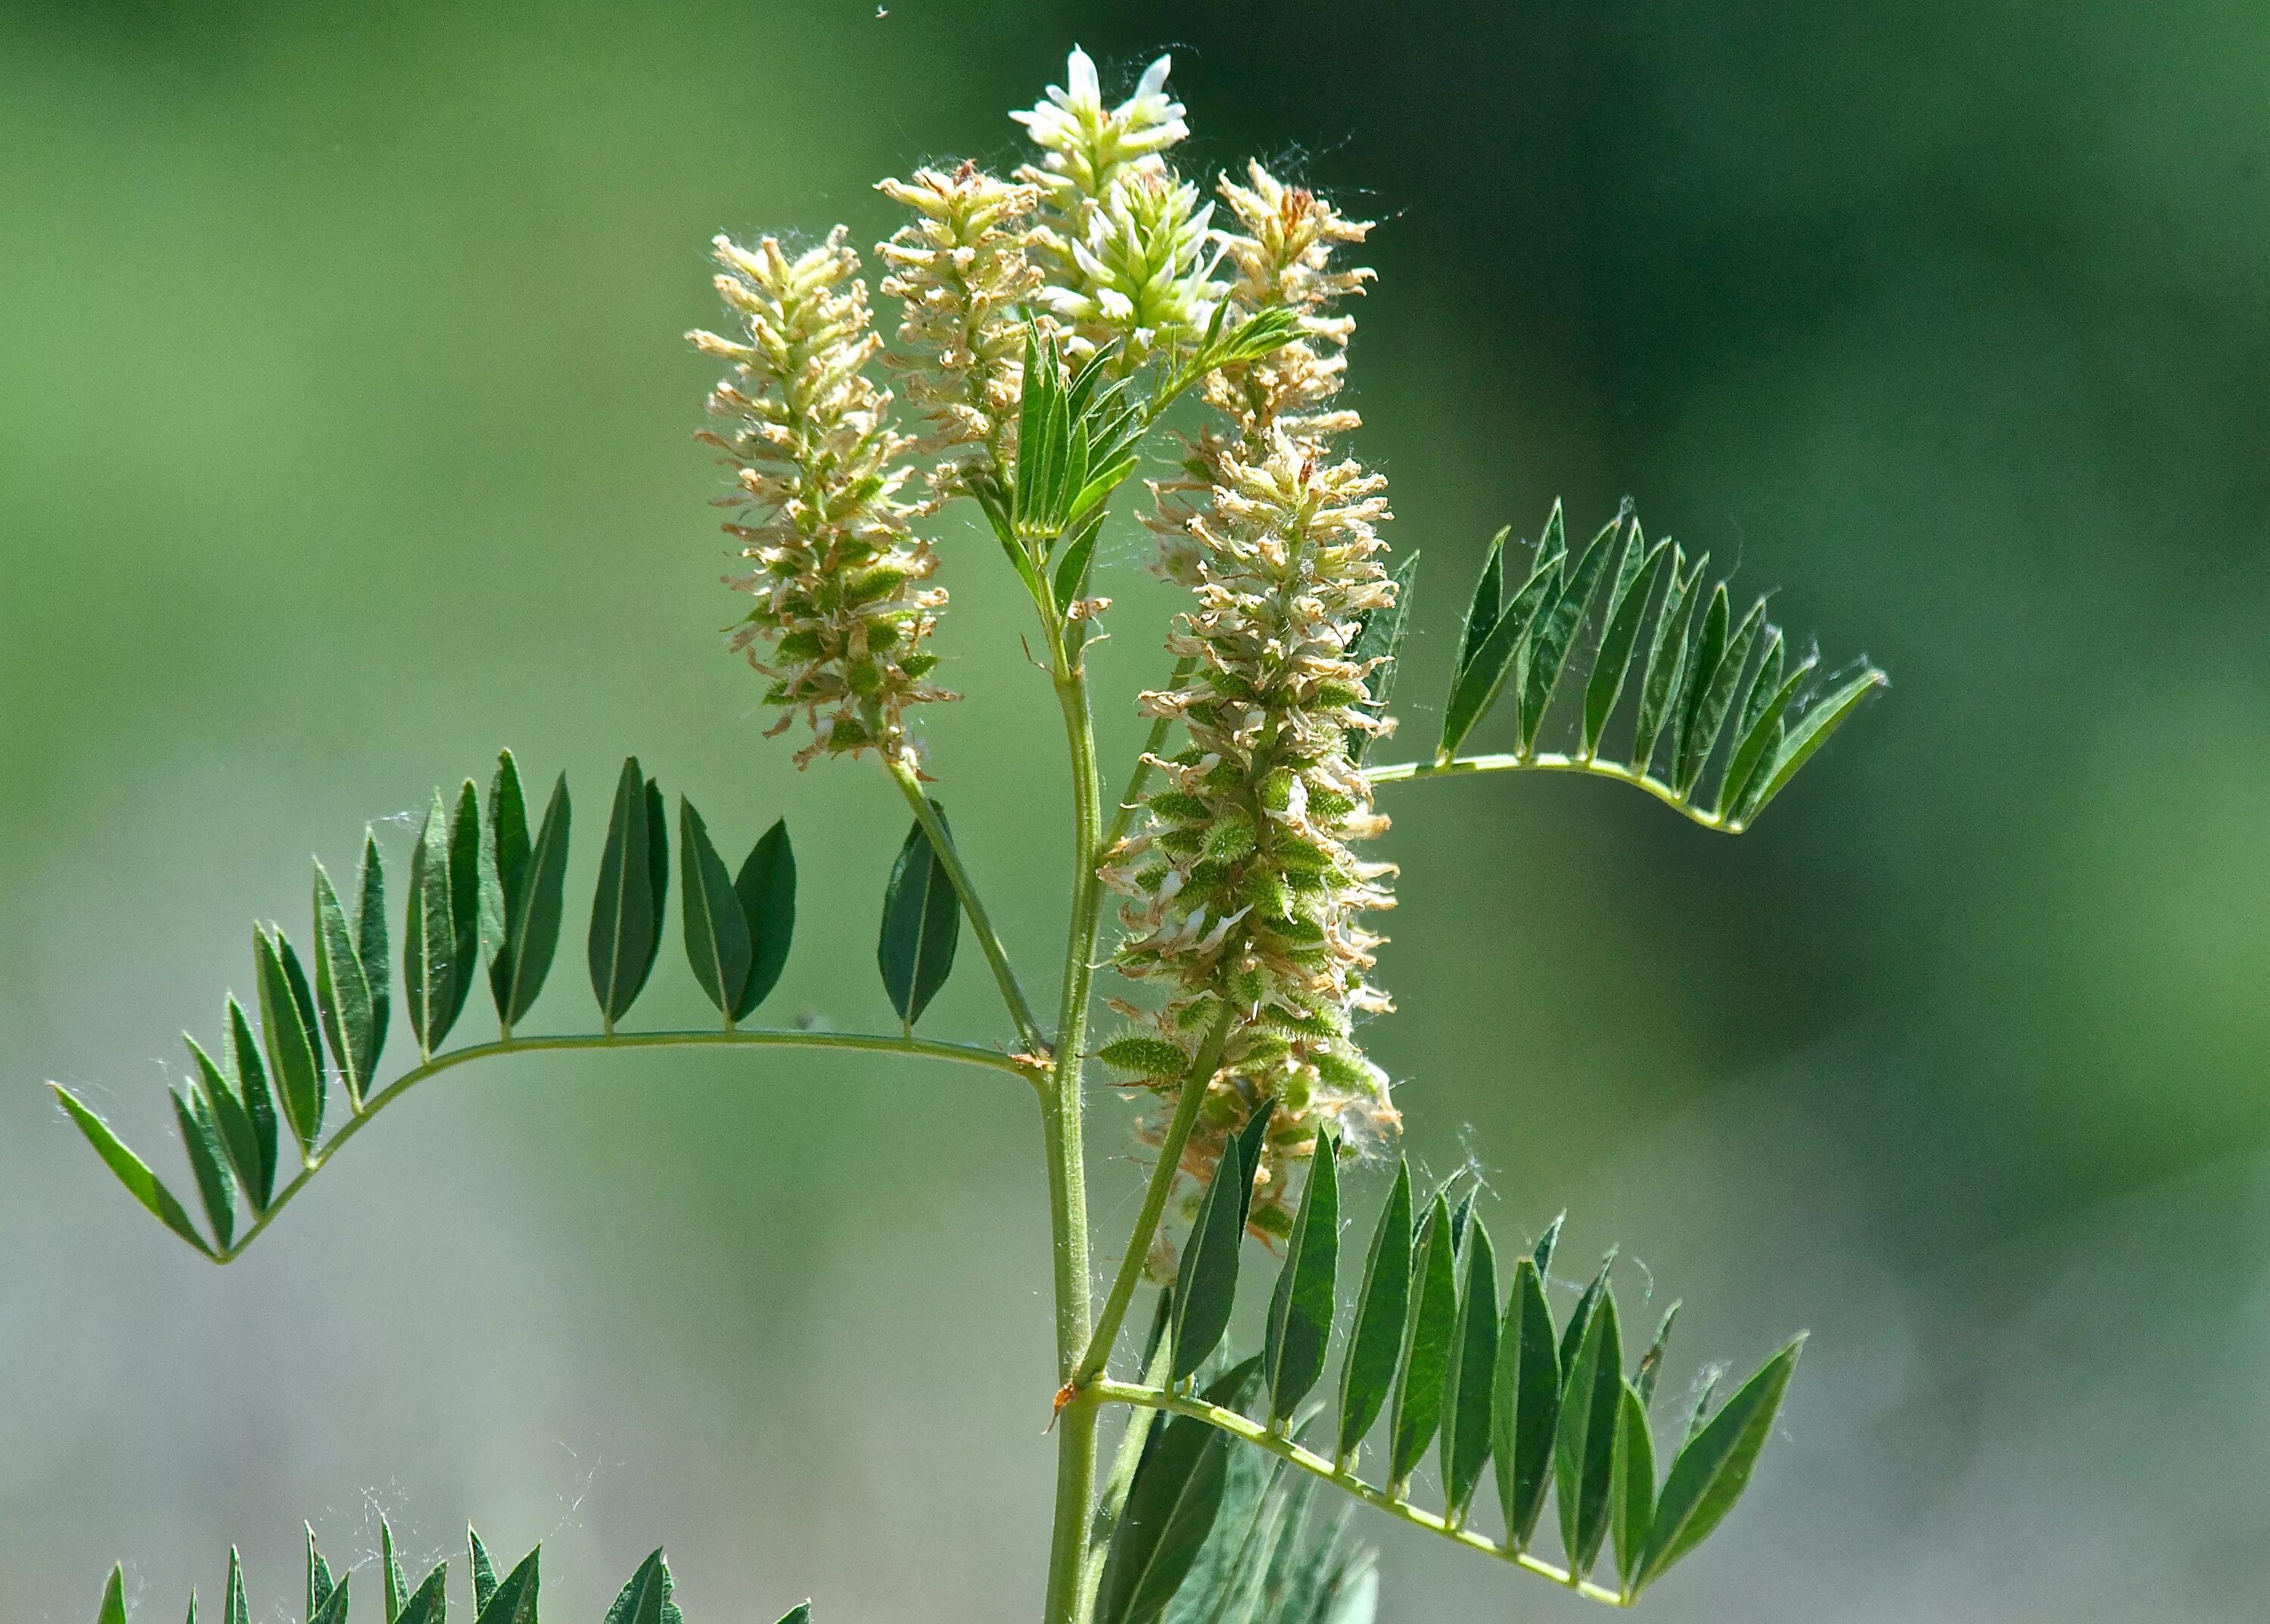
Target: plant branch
(860,1041)
(1200,1078)
(1285,1450)
(1545,761)
(1020,1012)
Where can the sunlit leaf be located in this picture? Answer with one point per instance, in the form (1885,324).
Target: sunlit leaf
(1631,1493)
(208,1162)
(1807,735)
(1584,1442)
(646,1599)
(1375,1345)
(1667,658)
(287,1027)
(1525,1401)
(1379,637)
(1469,1378)
(533,914)
(320,1585)
(1205,1288)
(1713,1467)
(429,1603)
(343,995)
(484,1578)
(430,967)
(233,1124)
(395,1584)
(1170,1510)
(1650,1363)
(1416,1410)
(113,1609)
(1559,620)
(1301,1306)
(515,1598)
(1611,661)
(143,1185)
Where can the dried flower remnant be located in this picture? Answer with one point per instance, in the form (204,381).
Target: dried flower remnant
(1243,885)
(842,613)
(962,269)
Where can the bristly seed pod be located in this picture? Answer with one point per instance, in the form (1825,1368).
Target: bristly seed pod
(842,615)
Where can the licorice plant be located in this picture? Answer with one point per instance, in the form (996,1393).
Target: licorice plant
(1047,323)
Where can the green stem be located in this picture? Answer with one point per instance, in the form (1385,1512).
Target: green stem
(860,1041)
(973,909)
(1195,1085)
(1285,1450)
(1546,762)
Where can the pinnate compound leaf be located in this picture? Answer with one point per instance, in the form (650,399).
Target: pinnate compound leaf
(1584,1443)
(626,916)
(1526,1401)
(514,1600)
(287,1025)
(113,1607)
(343,992)
(1170,1510)
(1301,1309)
(921,921)
(1468,1382)
(1375,1345)
(1631,1494)
(533,909)
(1713,1467)
(143,1185)
(208,1164)
(716,929)
(1416,1409)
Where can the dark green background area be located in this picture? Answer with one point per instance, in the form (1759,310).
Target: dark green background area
(344,436)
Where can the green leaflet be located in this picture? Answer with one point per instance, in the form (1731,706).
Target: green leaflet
(922,921)
(1525,1401)
(1650,1363)
(1667,658)
(1468,1381)
(1206,1289)
(505,853)
(1416,1410)
(1695,679)
(1620,633)
(1157,1351)
(533,906)
(319,1577)
(234,1123)
(1748,710)
(1251,1139)
(766,887)
(1811,731)
(1301,1309)
(1558,620)
(1583,1445)
(287,1026)
(1580,1317)
(1760,737)
(634,880)
(1379,636)
(464,900)
(1542,1252)
(1375,1346)
(390,1574)
(514,1601)
(801,1613)
(1480,680)
(1713,1467)
(484,1579)
(343,990)
(235,1610)
(1487,603)
(143,1185)
(1713,699)
(430,967)
(646,1599)
(208,1164)
(717,931)
(370,940)
(1170,1510)
(429,1603)
(113,1610)
(334,1609)
(1631,1493)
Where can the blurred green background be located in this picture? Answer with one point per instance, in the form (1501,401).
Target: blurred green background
(344,437)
